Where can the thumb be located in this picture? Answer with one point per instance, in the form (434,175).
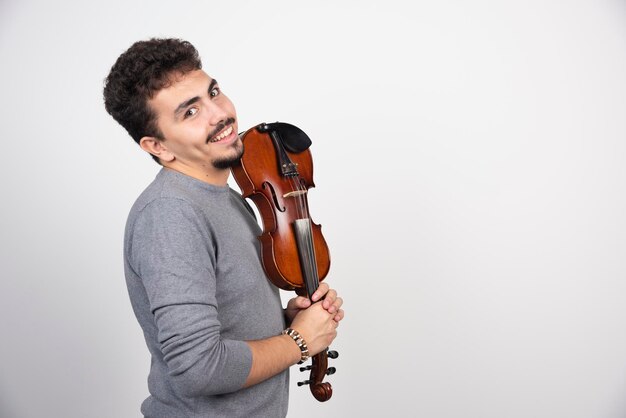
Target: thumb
(301,302)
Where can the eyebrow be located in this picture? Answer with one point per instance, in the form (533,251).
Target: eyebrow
(193,100)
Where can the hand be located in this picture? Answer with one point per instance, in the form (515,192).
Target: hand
(316,326)
(331,303)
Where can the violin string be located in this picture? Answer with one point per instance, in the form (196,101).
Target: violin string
(305,202)
(302,211)
(301,192)
(293,187)
(311,250)
(303,197)
(298,207)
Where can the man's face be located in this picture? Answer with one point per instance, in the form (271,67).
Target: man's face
(198,124)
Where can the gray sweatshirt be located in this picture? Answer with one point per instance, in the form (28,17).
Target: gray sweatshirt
(198,290)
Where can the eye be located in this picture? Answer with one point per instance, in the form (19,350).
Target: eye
(215,91)
(190,112)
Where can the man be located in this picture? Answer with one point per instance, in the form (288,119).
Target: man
(212,321)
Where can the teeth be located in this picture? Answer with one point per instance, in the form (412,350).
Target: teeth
(223,134)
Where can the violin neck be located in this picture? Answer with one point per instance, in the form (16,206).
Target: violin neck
(306,252)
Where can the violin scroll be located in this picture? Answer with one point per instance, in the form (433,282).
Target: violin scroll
(322,391)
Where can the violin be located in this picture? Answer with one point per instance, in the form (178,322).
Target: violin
(275,172)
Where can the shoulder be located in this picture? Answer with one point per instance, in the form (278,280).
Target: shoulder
(165,212)
(164,205)
(167,226)
(165,195)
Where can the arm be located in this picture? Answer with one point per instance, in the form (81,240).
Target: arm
(270,357)
(172,252)
(315,324)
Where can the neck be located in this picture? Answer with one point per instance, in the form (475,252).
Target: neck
(210,175)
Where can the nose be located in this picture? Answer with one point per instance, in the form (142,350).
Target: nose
(216,113)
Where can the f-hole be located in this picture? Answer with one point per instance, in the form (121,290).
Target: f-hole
(269,186)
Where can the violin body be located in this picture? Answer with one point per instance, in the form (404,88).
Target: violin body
(276,172)
(280,200)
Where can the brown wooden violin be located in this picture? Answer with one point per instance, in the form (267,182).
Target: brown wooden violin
(276,171)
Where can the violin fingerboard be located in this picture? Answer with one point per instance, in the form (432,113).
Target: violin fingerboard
(306,253)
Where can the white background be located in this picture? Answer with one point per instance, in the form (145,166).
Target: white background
(470,170)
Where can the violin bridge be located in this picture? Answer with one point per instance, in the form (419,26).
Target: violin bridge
(295,193)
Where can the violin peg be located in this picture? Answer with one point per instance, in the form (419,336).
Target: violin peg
(333,354)
(306,382)
(304,369)
(331,370)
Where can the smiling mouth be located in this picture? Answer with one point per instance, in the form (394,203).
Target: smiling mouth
(222,135)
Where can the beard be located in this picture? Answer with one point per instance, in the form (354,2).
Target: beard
(230,160)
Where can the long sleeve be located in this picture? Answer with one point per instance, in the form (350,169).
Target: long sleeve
(173,252)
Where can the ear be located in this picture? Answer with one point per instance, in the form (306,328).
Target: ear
(156,147)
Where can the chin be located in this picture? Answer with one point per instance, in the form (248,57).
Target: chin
(230,160)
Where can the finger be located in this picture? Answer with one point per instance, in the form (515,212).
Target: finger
(302,302)
(299,302)
(329,299)
(321,291)
(339,316)
(336,305)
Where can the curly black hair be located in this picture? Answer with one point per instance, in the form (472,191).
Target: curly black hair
(138,74)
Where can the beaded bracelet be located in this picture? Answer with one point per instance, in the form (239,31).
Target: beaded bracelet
(295,335)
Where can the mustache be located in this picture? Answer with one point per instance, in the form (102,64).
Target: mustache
(219,127)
